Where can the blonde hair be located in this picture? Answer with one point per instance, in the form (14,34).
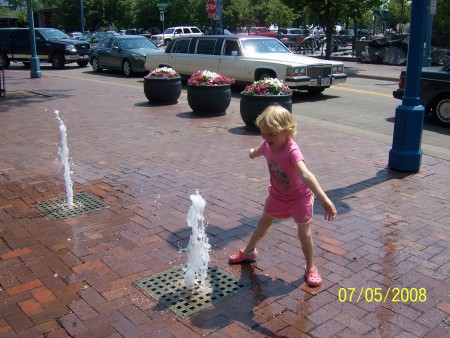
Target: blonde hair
(278,119)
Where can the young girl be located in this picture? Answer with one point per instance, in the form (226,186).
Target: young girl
(292,188)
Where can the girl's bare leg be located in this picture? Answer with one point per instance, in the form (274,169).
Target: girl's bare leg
(305,237)
(264,224)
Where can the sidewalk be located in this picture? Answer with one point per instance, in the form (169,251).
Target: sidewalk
(384,261)
(372,71)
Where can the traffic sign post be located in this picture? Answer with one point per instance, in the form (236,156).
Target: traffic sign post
(211,7)
(162,6)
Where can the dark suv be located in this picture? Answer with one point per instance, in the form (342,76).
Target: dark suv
(52,46)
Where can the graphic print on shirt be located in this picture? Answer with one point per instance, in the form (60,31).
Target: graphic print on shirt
(278,177)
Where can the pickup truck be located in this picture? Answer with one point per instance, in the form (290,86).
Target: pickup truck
(52,46)
(263,31)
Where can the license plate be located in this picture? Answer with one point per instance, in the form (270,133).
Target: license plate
(325,82)
(85,56)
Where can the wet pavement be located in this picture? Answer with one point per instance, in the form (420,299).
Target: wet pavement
(384,261)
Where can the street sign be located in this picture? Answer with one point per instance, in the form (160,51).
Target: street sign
(433,7)
(162,6)
(161,15)
(211,7)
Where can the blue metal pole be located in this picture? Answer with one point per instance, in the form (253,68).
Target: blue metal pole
(406,152)
(82,16)
(427,60)
(34,60)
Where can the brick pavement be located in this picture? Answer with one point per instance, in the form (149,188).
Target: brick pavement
(74,277)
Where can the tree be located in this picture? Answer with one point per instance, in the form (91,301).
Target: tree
(328,13)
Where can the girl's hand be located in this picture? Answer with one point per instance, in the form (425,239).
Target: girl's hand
(329,209)
(250,153)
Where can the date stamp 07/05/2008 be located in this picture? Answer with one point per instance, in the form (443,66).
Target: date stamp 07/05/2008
(378,295)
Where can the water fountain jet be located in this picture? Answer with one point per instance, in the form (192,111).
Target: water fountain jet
(198,248)
(63,152)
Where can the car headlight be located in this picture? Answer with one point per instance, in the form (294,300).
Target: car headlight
(70,48)
(138,57)
(296,71)
(338,69)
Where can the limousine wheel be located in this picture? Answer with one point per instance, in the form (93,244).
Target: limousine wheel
(264,74)
(58,61)
(441,110)
(126,68)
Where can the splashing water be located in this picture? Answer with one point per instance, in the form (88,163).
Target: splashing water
(198,248)
(63,153)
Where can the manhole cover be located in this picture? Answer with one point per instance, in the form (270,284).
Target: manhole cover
(83,203)
(168,287)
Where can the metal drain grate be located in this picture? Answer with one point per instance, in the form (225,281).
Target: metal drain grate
(168,287)
(83,203)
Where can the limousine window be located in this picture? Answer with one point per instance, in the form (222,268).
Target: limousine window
(206,46)
(181,46)
(264,46)
(232,46)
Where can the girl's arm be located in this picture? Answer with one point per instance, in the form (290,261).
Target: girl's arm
(312,183)
(254,153)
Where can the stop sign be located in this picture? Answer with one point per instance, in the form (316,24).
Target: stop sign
(211,7)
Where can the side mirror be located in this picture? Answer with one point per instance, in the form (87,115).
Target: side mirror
(116,48)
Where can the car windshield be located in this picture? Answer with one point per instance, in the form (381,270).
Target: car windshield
(137,43)
(169,31)
(295,31)
(50,34)
(264,46)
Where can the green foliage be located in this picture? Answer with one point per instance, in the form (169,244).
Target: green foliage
(145,14)
(442,18)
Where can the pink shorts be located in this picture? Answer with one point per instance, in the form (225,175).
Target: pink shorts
(300,209)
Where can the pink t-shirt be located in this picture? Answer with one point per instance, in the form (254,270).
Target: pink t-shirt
(285,182)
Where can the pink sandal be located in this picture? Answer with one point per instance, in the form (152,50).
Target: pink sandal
(242,257)
(312,277)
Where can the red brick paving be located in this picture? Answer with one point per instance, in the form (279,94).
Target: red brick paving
(74,277)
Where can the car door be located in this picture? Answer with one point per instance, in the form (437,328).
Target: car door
(116,54)
(231,63)
(178,55)
(42,46)
(205,57)
(104,52)
(21,47)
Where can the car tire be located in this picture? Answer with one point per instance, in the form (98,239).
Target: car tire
(441,110)
(264,74)
(58,61)
(95,65)
(126,68)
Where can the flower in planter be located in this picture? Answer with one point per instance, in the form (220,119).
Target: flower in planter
(163,72)
(207,78)
(268,86)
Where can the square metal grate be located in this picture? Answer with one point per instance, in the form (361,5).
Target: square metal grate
(83,203)
(168,287)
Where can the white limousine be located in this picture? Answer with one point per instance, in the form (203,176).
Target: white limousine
(247,59)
